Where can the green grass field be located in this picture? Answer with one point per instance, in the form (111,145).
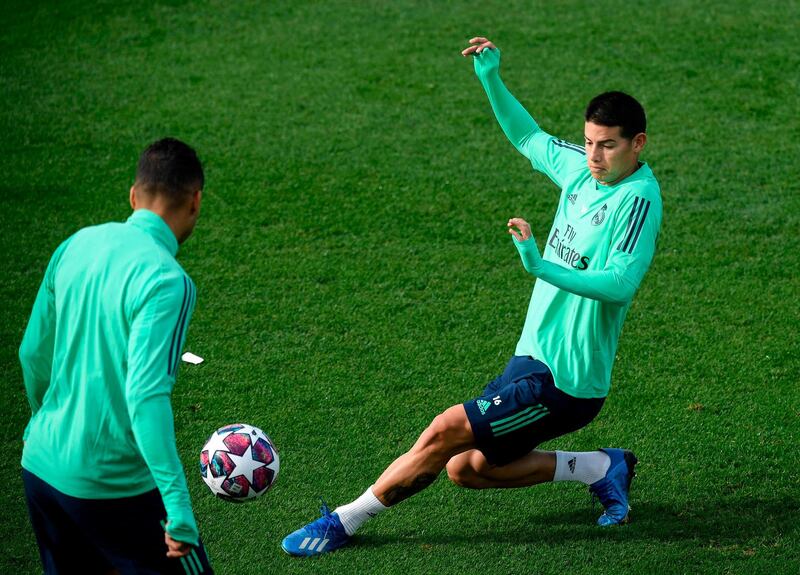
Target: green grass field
(355,277)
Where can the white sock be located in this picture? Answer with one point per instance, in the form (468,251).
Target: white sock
(584,466)
(354,514)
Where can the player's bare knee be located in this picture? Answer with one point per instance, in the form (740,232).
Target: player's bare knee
(443,437)
(460,474)
(453,468)
(463,472)
(437,436)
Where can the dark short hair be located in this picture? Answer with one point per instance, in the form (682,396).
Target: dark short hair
(617,109)
(171,169)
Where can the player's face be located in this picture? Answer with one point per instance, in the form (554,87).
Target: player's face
(610,156)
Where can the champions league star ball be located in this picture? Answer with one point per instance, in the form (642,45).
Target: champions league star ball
(239,462)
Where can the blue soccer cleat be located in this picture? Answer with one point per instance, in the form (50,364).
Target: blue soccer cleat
(613,489)
(321,536)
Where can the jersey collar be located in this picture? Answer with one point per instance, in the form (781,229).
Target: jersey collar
(156,227)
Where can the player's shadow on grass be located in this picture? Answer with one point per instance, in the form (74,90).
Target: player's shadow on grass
(721,521)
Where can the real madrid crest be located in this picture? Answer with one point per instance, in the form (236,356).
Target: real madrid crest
(600,215)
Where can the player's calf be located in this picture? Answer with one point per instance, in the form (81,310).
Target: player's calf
(448,434)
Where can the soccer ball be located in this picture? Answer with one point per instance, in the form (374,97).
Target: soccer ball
(239,462)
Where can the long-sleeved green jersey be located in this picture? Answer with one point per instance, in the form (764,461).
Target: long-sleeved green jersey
(99,359)
(600,245)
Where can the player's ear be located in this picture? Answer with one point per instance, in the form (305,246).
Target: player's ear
(132,198)
(196,199)
(638,142)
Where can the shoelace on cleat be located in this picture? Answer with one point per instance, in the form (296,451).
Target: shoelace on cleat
(324,509)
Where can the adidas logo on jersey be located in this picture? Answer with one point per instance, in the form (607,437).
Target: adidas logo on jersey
(483,405)
(572,198)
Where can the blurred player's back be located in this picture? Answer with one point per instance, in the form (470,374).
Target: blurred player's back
(81,441)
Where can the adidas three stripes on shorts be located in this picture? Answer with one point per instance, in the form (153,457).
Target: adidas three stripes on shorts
(522,408)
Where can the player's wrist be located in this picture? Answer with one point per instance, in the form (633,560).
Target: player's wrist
(529,253)
(527,244)
(487,63)
(487,74)
(182,527)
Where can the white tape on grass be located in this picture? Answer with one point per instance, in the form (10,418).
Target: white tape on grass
(189,357)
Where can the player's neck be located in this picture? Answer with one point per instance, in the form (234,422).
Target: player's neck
(627,174)
(169,217)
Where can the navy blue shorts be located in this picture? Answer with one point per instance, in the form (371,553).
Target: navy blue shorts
(94,536)
(523,408)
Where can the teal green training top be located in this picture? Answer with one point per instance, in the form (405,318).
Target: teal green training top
(99,359)
(597,252)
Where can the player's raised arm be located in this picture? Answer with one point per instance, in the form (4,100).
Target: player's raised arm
(516,122)
(157,334)
(554,158)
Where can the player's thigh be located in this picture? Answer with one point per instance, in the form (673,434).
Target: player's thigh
(505,422)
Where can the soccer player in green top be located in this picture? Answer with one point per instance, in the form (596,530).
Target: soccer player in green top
(105,488)
(599,247)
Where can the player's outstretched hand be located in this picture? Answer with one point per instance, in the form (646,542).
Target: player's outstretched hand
(478,45)
(486,56)
(523,231)
(175,548)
